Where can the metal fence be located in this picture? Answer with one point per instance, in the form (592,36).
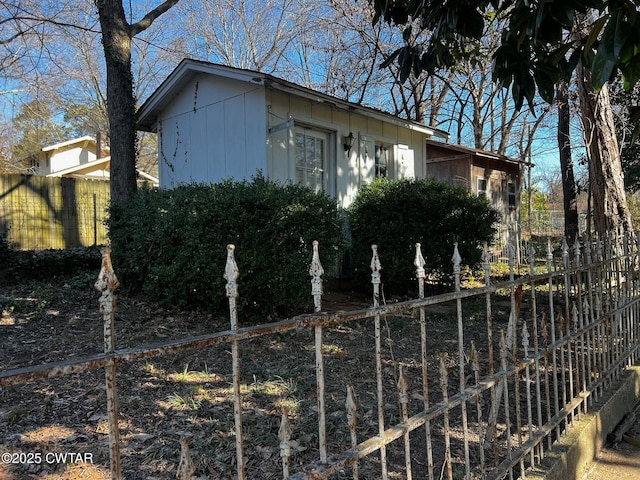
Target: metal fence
(527,356)
(549,222)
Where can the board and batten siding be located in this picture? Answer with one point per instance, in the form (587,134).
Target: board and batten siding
(213,130)
(348,170)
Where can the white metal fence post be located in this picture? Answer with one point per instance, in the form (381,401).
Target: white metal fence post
(186,468)
(284,435)
(107,283)
(457,269)
(351,406)
(231,274)
(316,271)
(419,263)
(375,281)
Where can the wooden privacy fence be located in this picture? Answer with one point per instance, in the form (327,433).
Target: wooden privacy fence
(38,213)
(545,347)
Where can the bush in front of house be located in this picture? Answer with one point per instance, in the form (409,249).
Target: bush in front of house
(171,244)
(397,214)
(26,265)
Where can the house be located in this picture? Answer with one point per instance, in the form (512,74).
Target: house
(85,157)
(494,176)
(215,122)
(76,157)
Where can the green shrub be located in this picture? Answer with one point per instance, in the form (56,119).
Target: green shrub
(397,214)
(20,266)
(5,252)
(171,244)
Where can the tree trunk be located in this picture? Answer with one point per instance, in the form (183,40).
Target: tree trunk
(569,192)
(116,40)
(606,179)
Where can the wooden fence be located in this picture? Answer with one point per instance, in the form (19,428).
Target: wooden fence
(38,213)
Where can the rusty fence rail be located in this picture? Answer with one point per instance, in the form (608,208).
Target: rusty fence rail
(490,407)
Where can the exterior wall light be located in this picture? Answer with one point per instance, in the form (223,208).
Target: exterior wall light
(348,142)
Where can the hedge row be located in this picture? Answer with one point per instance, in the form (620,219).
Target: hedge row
(171,244)
(396,215)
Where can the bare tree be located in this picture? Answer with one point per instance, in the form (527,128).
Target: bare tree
(117,34)
(606,179)
(569,190)
(251,34)
(29,21)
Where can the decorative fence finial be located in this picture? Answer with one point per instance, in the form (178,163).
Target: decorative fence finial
(576,251)
(549,255)
(420,272)
(375,265)
(486,257)
(316,271)
(511,255)
(531,251)
(231,272)
(375,275)
(419,262)
(587,250)
(457,261)
(107,281)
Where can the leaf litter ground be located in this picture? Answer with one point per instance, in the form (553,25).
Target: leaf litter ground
(189,395)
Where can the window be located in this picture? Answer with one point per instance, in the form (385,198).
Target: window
(481,187)
(310,159)
(381,161)
(511,194)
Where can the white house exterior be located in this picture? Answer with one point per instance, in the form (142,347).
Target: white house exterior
(77,158)
(216,122)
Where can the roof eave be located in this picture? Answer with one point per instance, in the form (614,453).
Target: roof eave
(187,68)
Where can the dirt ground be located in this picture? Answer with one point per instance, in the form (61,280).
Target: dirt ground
(57,429)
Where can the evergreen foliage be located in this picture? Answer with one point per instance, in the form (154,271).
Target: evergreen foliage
(171,244)
(36,127)
(397,214)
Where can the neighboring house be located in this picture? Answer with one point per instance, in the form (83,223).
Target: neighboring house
(216,122)
(496,177)
(78,158)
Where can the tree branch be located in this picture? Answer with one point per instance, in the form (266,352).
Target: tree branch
(150,17)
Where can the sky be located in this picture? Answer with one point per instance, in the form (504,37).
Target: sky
(162,38)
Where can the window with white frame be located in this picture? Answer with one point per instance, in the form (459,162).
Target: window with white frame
(511,194)
(310,158)
(481,187)
(381,161)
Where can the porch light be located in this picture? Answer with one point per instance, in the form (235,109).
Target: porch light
(348,142)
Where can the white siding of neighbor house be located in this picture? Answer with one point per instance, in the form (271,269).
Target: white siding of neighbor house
(71,157)
(213,130)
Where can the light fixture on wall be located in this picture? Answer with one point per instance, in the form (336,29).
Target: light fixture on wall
(348,142)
